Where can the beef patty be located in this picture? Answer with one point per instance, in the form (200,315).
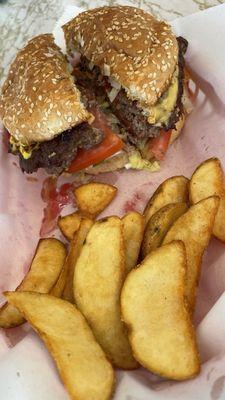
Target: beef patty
(57,154)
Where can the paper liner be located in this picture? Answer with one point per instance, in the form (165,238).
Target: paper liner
(21,212)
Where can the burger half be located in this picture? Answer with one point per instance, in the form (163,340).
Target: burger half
(134,65)
(41,108)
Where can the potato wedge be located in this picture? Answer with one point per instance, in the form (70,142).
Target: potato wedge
(98,279)
(194,228)
(172,190)
(59,286)
(93,198)
(81,362)
(44,271)
(74,252)
(159,224)
(208,180)
(69,224)
(133,229)
(153,307)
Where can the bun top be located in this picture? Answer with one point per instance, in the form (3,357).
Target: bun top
(129,45)
(39,99)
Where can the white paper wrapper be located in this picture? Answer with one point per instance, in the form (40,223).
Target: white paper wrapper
(26,371)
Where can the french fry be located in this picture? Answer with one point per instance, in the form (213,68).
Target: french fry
(44,271)
(172,190)
(74,252)
(194,228)
(82,364)
(153,307)
(69,224)
(58,288)
(98,279)
(208,180)
(133,229)
(159,224)
(93,198)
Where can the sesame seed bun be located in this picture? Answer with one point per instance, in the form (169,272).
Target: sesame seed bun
(129,45)
(39,99)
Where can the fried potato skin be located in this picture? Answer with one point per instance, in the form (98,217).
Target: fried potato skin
(73,254)
(172,190)
(98,279)
(59,286)
(69,224)
(81,362)
(159,224)
(208,180)
(133,230)
(45,270)
(92,198)
(194,228)
(153,307)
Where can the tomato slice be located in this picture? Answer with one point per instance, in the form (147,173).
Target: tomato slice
(109,146)
(159,145)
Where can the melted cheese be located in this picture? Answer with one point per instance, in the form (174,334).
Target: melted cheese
(26,151)
(160,112)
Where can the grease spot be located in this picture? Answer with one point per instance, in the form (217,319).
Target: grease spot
(31,179)
(15,164)
(209,374)
(217,388)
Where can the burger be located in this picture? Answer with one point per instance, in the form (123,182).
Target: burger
(42,110)
(134,65)
(124,103)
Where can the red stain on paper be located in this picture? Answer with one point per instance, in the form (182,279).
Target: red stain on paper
(55,199)
(136,203)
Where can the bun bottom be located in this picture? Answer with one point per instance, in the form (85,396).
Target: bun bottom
(119,161)
(114,163)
